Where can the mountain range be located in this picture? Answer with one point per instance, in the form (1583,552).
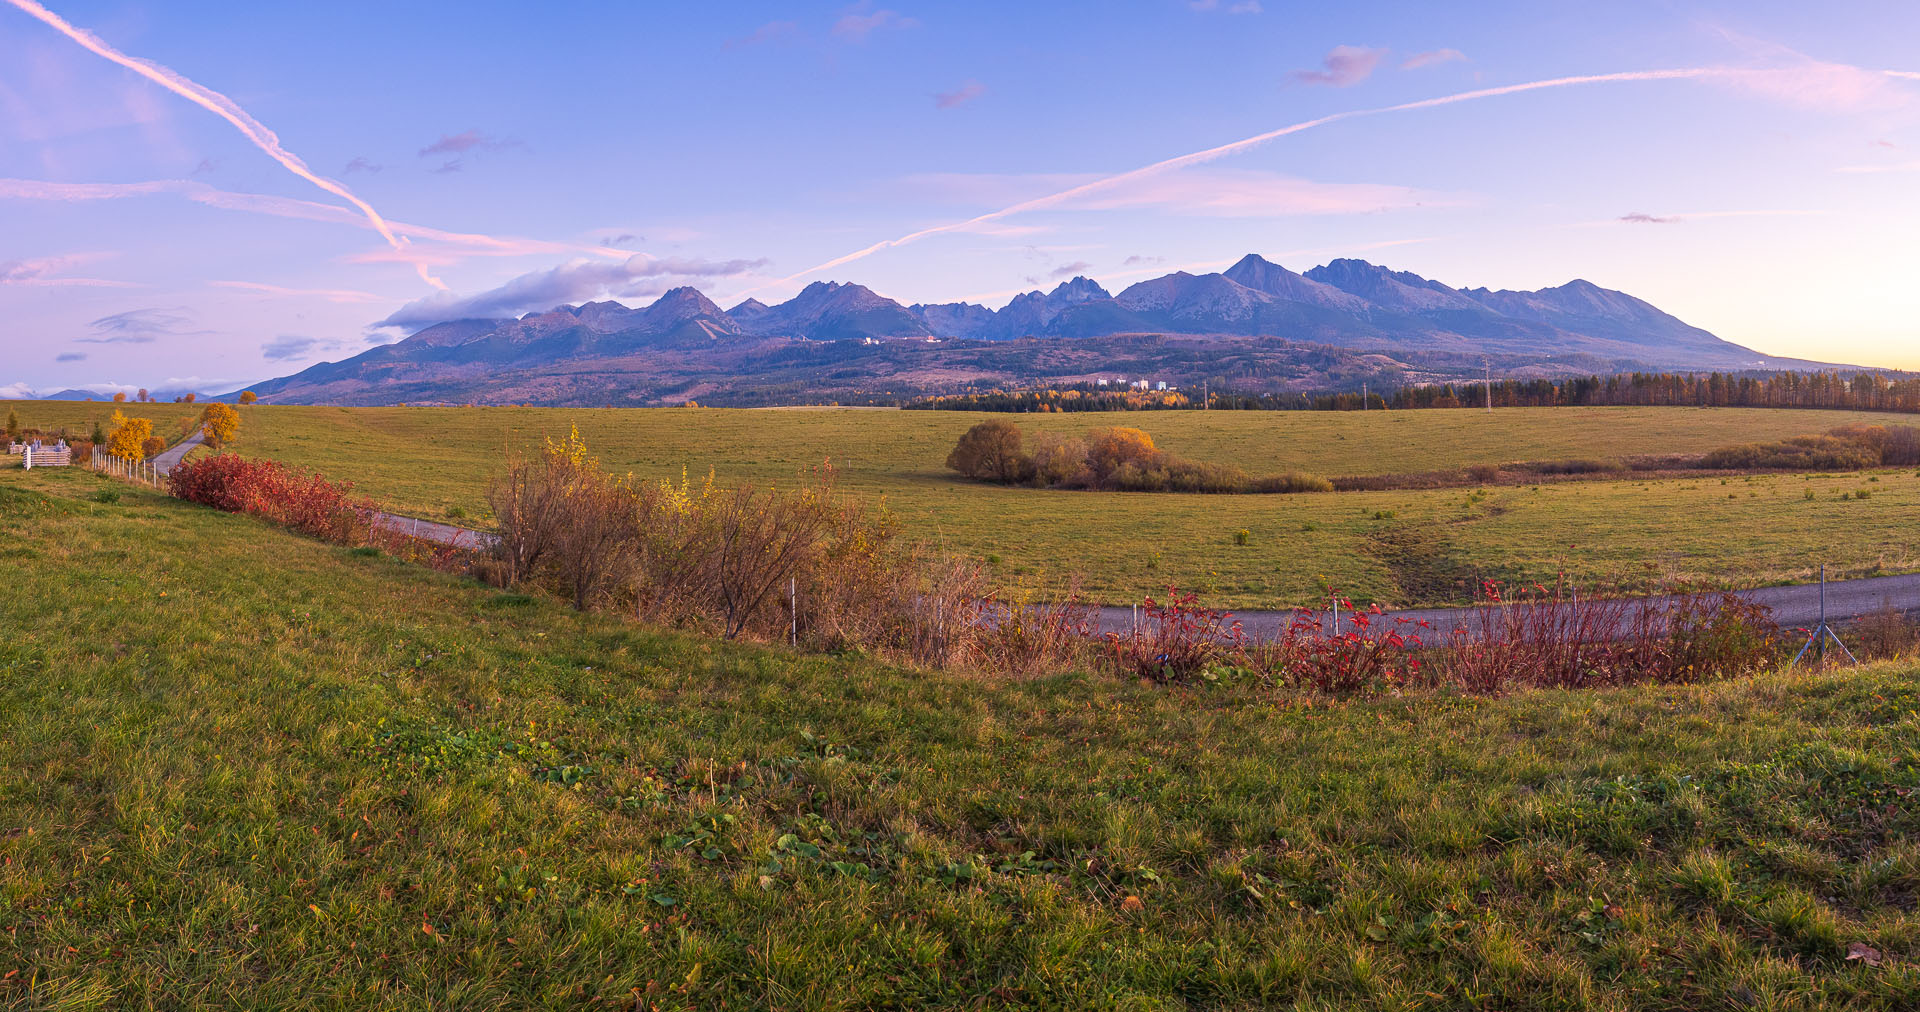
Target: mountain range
(684,344)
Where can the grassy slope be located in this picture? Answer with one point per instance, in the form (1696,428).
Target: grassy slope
(432,460)
(247,770)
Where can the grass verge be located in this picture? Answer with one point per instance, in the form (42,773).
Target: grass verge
(249,770)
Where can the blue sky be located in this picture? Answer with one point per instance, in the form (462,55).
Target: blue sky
(523,158)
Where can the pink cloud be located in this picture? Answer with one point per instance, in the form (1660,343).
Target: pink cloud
(959,96)
(1431,58)
(225,108)
(48,272)
(447,247)
(1345,66)
(329,294)
(772,31)
(856,25)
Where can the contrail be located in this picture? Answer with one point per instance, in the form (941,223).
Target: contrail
(225,108)
(1235,147)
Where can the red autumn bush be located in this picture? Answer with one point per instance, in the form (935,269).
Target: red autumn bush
(1355,651)
(307,503)
(1176,641)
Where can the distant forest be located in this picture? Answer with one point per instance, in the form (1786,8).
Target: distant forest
(1864,391)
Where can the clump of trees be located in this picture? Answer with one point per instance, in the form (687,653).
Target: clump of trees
(1113,459)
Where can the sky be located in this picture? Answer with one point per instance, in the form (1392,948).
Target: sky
(200,195)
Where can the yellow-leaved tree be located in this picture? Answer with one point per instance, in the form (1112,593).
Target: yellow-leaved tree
(248,397)
(129,436)
(220,423)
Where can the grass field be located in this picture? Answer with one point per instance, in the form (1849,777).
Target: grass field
(247,770)
(1398,547)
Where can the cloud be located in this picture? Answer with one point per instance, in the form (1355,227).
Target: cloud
(1643,218)
(1792,78)
(1213,191)
(1239,7)
(1142,261)
(619,240)
(1345,66)
(772,31)
(290,346)
(329,294)
(1884,167)
(206,166)
(1169,165)
(1069,270)
(856,25)
(959,96)
(571,282)
(446,247)
(44,272)
(360,164)
(71,356)
(1430,58)
(140,326)
(225,108)
(466,141)
(16,392)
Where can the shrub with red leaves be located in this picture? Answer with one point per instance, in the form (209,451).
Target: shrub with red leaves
(307,503)
(1359,652)
(1177,641)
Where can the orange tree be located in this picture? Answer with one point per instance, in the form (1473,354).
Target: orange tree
(248,397)
(220,423)
(129,436)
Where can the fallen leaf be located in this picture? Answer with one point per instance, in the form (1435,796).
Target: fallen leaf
(1132,903)
(1864,953)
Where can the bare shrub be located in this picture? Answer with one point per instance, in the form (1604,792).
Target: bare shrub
(1886,633)
(1289,482)
(1542,637)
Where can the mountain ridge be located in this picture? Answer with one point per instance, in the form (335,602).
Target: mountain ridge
(1346,304)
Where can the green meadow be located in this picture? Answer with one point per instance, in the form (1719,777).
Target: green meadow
(248,770)
(1396,547)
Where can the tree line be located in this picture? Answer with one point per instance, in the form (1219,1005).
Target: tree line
(1861,391)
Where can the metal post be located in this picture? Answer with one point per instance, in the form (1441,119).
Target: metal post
(793,609)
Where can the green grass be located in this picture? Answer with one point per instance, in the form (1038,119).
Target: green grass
(1402,547)
(247,770)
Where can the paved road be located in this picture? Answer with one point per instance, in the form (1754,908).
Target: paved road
(1794,606)
(166,459)
(439,533)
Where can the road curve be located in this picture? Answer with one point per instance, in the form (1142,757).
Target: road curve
(167,459)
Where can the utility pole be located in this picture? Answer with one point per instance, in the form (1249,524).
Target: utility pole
(1363,395)
(1488,364)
